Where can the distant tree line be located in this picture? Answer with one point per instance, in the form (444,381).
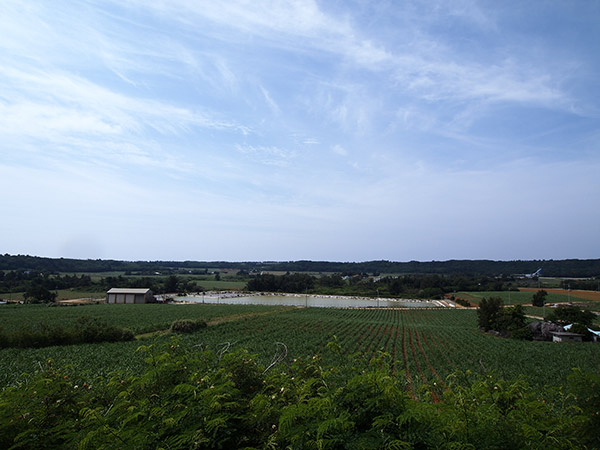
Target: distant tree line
(41,287)
(296,282)
(422,286)
(562,268)
(558,268)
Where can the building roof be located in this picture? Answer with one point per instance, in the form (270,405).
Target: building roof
(128,291)
(564,333)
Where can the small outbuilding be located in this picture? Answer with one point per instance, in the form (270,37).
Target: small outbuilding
(129,295)
(565,336)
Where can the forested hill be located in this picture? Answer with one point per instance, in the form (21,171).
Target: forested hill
(564,268)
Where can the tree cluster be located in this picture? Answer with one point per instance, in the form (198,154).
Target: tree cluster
(38,285)
(539,298)
(567,314)
(508,322)
(295,282)
(419,286)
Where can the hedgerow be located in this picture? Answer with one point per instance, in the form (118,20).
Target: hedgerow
(187,398)
(83,330)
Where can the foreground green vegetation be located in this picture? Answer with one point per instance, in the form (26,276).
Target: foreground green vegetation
(426,345)
(186,397)
(280,377)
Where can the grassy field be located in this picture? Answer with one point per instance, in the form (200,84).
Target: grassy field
(138,318)
(512,297)
(584,299)
(425,345)
(62,294)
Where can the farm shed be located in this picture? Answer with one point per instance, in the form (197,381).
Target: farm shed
(129,295)
(564,336)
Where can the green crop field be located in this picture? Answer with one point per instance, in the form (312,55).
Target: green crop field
(265,377)
(138,318)
(424,345)
(514,298)
(525,298)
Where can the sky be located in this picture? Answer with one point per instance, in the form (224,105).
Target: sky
(255,130)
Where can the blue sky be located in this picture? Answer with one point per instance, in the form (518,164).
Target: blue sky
(285,130)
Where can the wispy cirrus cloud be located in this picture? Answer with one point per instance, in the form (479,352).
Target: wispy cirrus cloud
(93,121)
(122,111)
(300,115)
(268,155)
(427,66)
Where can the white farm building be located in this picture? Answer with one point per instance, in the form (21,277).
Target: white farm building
(129,295)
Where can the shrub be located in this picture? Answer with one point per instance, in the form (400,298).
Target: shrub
(461,301)
(539,298)
(92,330)
(187,326)
(524,333)
(488,312)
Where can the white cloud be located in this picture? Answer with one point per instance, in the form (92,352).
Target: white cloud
(269,155)
(311,141)
(270,102)
(339,150)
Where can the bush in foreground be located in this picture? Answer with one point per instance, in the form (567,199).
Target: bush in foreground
(205,399)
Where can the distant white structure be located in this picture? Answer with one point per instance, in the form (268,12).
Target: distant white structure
(537,273)
(129,295)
